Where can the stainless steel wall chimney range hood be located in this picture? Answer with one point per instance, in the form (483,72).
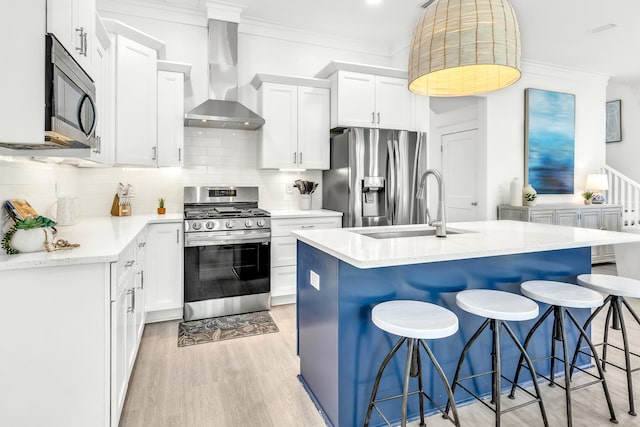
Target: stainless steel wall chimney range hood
(222,110)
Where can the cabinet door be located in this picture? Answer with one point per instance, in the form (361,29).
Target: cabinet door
(356,99)
(84,34)
(99,152)
(283,251)
(279,135)
(568,217)
(283,282)
(513,213)
(136,108)
(542,217)
(170,118)
(60,22)
(313,127)
(140,293)
(393,103)
(612,221)
(590,218)
(118,355)
(163,278)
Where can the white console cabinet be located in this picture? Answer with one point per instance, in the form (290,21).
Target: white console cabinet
(603,217)
(283,250)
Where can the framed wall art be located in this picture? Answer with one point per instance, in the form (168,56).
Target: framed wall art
(614,123)
(549,141)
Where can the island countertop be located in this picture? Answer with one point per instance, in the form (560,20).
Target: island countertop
(482,239)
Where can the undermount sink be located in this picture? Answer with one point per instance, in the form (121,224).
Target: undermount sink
(396,234)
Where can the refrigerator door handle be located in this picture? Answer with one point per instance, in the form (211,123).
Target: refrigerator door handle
(391,183)
(399,172)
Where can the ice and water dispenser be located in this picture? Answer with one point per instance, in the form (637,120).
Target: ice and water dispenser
(373,198)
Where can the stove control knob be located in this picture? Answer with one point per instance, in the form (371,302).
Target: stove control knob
(209,225)
(196,225)
(230,223)
(248,223)
(260,223)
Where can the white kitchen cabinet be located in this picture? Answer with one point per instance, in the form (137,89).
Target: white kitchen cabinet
(283,251)
(163,276)
(103,67)
(72,22)
(136,94)
(603,217)
(140,307)
(296,130)
(170,118)
(372,101)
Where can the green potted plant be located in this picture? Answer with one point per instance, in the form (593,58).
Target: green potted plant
(161,209)
(530,198)
(588,197)
(27,235)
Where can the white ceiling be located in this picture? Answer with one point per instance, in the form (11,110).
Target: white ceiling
(552,31)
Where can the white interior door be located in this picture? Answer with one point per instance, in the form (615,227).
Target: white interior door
(460,172)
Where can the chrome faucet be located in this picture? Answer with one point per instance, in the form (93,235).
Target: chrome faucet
(440,223)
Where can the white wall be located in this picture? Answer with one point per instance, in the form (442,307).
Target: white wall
(624,155)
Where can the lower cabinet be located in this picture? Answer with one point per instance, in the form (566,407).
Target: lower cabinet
(599,217)
(164,277)
(283,252)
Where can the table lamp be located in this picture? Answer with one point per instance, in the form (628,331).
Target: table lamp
(597,182)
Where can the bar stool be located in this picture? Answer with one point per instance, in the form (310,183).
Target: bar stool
(617,289)
(414,322)
(562,296)
(498,307)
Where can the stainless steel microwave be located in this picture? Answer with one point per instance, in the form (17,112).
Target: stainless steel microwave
(70,99)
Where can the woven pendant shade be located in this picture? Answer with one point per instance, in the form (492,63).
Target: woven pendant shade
(464,47)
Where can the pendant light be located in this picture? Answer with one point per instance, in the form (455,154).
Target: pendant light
(464,47)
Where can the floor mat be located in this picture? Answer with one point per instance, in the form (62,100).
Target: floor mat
(225,328)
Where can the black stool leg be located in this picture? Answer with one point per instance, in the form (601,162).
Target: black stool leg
(532,370)
(526,345)
(586,325)
(462,357)
(605,343)
(598,365)
(416,349)
(497,325)
(405,390)
(451,400)
(376,384)
(565,351)
(627,358)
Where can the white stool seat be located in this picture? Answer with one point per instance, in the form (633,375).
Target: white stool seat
(561,294)
(497,305)
(414,319)
(612,285)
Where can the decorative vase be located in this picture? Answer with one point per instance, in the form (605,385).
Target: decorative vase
(162,211)
(31,240)
(305,202)
(530,202)
(515,193)
(587,201)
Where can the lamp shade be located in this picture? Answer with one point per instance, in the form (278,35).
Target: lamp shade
(597,182)
(464,47)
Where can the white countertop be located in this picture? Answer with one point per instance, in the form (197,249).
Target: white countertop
(489,238)
(297,213)
(101,239)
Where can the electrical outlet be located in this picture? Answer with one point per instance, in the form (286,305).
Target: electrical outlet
(314,279)
(288,188)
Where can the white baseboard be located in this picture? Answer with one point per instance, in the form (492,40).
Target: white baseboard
(164,315)
(283,299)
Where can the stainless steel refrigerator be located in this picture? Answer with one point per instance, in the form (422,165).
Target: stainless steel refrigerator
(374,175)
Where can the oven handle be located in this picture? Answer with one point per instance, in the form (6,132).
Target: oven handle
(192,241)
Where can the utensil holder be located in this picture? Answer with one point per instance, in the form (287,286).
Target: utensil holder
(119,210)
(305,202)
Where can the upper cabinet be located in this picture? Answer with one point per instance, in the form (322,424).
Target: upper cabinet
(296,131)
(72,22)
(373,97)
(171,113)
(136,91)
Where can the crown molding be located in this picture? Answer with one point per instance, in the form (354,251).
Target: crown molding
(560,71)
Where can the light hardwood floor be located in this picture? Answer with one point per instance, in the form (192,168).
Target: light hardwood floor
(253,382)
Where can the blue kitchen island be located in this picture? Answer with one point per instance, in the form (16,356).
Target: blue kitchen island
(343,273)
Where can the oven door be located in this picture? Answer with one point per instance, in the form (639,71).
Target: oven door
(226,270)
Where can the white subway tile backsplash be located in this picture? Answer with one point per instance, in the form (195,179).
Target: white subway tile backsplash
(212,157)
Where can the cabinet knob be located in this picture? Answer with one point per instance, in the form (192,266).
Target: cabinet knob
(373,118)
(378,118)
(474,203)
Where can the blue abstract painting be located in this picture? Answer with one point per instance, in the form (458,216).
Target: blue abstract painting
(550,141)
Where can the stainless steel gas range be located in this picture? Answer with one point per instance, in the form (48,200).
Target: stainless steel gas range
(226,252)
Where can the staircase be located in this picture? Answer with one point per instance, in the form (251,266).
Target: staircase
(626,192)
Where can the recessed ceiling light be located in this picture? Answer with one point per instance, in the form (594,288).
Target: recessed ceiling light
(374,1)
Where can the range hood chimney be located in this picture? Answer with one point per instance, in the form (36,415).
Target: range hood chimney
(222,110)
